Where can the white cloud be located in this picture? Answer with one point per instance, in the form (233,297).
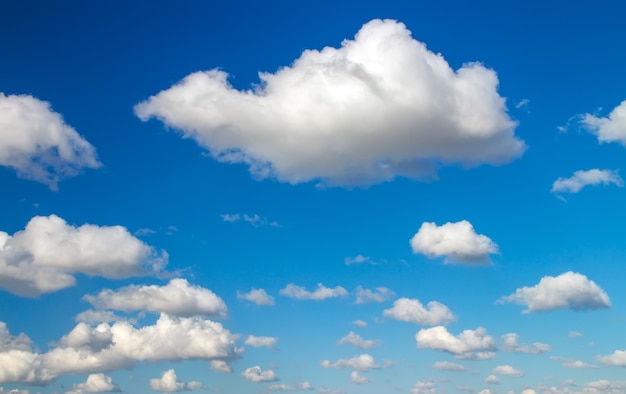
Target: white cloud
(492,379)
(569,290)
(321,293)
(486,391)
(38,144)
(168,383)
(470,344)
(363,363)
(358,342)
(380,294)
(257,296)
(611,129)
(358,259)
(380,106)
(572,363)
(574,334)
(580,179)
(255,374)
(358,379)
(617,359)
(91,316)
(261,341)
(43,257)
(177,298)
(255,220)
(448,366)
(457,242)
(14,391)
(508,370)
(96,383)
(411,310)
(511,344)
(606,386)
(220,366)
(467,389)
(294,387)
(424,387)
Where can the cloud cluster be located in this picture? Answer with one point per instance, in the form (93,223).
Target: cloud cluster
(380,106)
(470,344)
(610,129)
(177,298)
(321,293)
(457,242)
(38,144)
(580,179)
(570,290)
(43,257)
(168,383)
(411,310)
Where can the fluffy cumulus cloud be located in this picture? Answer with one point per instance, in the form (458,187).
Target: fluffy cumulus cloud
(470,344)
(43,257)
(358,342)
(357,378)
(177,298)
(457,242)
(511,344)
(380,294)
(411,310)
(107,347)
(220,366)
(492,379)
(321,293)
(570,290)
(96,383)
(380,106)
(617,359)
(257,375)
(255,341)
(363,363)
(38,144)
(580,179)
(257,296)
(610,129)
(508,370)
(168,383)
(449,366)
(424,387)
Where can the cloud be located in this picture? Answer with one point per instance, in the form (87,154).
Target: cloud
(96,383)
(358,342)
(492,379)
(91,316)
(43,257)
(168,383)
(508,370)
(381,294)
(448,366)
(457,242)
(255,220)
(358,259)
(574,334)
(470,344)
(220,366)
(177,298)
(424,387)
(411,310)
(261,341)
(617,359)
(606,386)
(257,296)
(360,323)
(572,363)
(380,106)
(570,290)
(358,379)
(511,344)
(38,144)
(580,179)
(321,293)
(255,374)
(363,363)
(611,129)
(294,387)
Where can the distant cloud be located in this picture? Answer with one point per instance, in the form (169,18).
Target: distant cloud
(492,379)
(178,298)
(358,379)
(511,344)
(44,257)
(580,179)
(570,290)
(574,334)
(610,129)
(358,259)
(168,383)
(358,342)
(522,103)
(508,370)
(255,341)
(457,242)
(412,311)
(293,387)
(323,117)
(363,363)
(38,144)
(360,323)
(255,220)
(381,294)
(448,366)
(424,387)
(220,366)
(617,359)
(605,386)
(321,293)
(96,383)
(257,296)
(257,375)
(572,363)
(470,344)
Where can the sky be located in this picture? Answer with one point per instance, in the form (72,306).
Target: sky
(312,197)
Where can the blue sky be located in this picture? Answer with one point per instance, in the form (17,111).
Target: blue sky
(329,197)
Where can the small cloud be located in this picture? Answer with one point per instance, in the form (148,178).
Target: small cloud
(574,334)
(321,293)
(358,259)
(511,344)
(254,341)
(358,342)
(470,344)
(363,363)
(449,366)
(257,296)
(509,371)
(381,294)
(580,179)
(617,359)
(168,383)
(572,363)
(358,379)
(360,323)
(220,366)
(492,379)
(412,311)
(522,103)
(257,375)
(254,220)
